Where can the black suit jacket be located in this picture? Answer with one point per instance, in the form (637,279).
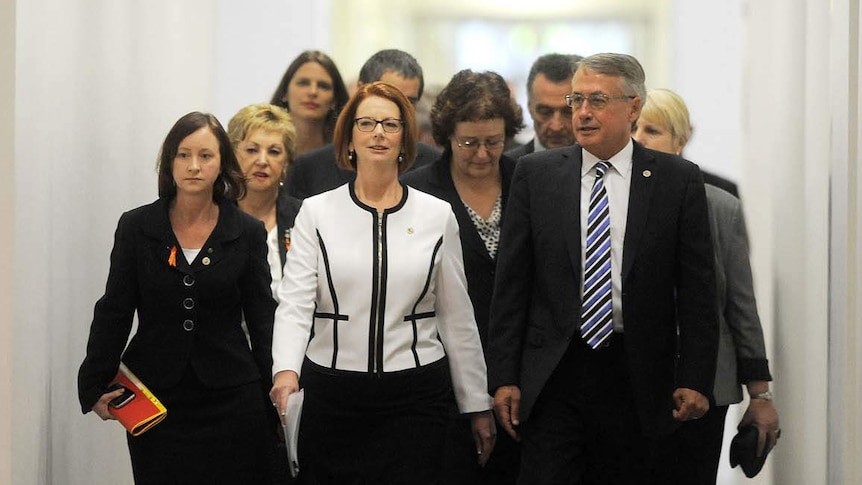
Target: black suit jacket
(479,267)
(317,171)
(188,314)
(285,213)
(667,279)
(522,150)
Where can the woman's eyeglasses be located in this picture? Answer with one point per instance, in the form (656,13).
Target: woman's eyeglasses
(390,125)
(473,144)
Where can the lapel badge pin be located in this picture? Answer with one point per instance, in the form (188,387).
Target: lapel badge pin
(647,173)
(206,261)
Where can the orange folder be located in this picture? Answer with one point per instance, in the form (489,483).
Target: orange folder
(139,411)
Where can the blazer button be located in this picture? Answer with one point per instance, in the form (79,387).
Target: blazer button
(188,325)
(188,280)
(188,303)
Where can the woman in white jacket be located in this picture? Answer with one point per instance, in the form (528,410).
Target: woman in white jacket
(373,292)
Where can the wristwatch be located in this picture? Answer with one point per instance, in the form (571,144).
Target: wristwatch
(766,396)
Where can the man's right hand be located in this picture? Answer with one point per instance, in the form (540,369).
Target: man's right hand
(507,405)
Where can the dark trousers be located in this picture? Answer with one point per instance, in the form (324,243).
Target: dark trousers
(698,445)
(460,462)
(584,428)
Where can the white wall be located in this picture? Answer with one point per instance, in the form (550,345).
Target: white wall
(7,244)
(256,40)
(705,51)
(791,215)
(845,245)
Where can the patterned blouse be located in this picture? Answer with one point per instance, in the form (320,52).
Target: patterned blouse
(488,230)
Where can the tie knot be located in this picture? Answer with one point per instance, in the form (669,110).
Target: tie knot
(602,168)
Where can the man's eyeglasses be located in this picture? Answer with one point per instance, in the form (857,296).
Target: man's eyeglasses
(545,112)
(390,125)
(473,144)
(597,101)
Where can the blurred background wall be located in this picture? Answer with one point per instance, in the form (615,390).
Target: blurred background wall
(89,88)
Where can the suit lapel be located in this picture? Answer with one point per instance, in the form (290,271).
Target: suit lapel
(570,204)
(227,229)
(442,178)
(644,177)
(158,227)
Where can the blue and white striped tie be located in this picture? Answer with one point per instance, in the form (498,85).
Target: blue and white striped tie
(596,318)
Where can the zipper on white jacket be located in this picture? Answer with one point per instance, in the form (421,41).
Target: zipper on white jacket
(377,370)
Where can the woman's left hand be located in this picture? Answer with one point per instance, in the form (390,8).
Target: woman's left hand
(284,383)
(484,434)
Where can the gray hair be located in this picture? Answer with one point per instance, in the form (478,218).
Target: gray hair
(622,65)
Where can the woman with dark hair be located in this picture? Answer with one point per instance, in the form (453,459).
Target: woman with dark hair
(191,264)
(313,92)
(374,307)
(471,119)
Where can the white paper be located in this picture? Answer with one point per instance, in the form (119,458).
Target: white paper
(292,415)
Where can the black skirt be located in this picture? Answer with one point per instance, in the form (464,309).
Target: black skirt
(360,428)
(214,436)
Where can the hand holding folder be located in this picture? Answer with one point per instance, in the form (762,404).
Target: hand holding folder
(290,426)
(137,409)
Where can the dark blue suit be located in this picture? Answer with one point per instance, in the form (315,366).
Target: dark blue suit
(668,283)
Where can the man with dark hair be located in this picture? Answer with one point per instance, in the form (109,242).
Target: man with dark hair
(317,171)
(549,81)
(397,68)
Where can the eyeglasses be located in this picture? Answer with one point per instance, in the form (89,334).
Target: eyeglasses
(473,144)
(545,112)
(390,125)
(597,101)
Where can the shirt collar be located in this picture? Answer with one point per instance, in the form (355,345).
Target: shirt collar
(621,162)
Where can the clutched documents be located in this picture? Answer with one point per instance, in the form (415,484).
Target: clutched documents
(292,415)
(137,409)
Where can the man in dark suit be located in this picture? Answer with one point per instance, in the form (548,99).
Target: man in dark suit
(317,171)
(549,80)
(593,396)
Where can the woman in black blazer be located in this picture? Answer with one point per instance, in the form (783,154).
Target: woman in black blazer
(191,264)
(471,119)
